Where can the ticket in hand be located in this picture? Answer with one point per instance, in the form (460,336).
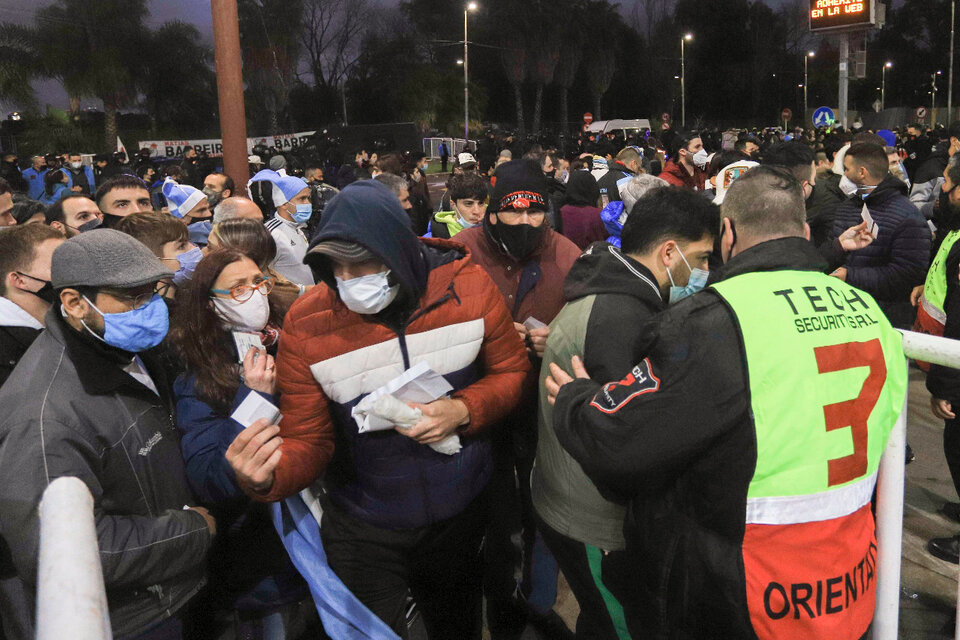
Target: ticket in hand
(244,340)
(872,226)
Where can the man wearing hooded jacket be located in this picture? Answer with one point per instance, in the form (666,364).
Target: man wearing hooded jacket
(528,261)
(399,517)
(667,242)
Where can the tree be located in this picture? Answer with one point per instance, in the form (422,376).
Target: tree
(515,66)
(600,18)
(332,33)
(19,63)
(94,48)
(544,55)
(270,37)
(184,100)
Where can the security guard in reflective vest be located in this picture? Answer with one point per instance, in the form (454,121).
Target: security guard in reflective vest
(749,439)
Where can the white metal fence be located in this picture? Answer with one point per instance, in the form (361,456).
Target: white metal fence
(72,603)
(456,145)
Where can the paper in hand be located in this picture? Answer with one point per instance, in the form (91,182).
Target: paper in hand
(532,323)
(386,408)
(254,407)
(244,341)
(872,226)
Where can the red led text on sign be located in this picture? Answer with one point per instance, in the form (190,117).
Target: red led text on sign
(828,14)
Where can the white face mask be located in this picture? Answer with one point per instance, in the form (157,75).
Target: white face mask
(250,315)
(848,186)
(76,165)
(700,158)
(367,294)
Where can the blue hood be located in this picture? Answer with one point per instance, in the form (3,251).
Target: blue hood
(611,220)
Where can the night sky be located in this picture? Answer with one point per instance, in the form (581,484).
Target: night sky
(195,11)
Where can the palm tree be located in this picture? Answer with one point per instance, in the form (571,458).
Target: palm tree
(187,99)
(95,49)
(19,63)
(515,65)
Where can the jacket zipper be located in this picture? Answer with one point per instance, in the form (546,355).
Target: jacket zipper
(402,337)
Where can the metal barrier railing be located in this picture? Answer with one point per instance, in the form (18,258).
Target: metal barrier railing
(890,482)
(72,603)
(71,600)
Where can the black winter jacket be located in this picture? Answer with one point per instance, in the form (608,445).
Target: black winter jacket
(686,454)
(14,342)
(69,409)
(898,259)
(608,183)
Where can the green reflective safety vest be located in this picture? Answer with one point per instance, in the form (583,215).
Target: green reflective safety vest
(935,287)
(826,369)
(827,379)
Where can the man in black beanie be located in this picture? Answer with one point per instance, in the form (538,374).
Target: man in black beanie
(528,261)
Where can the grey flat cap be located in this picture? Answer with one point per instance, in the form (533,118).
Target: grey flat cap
(105,258)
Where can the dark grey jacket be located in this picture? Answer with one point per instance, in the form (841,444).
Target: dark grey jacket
(69,409)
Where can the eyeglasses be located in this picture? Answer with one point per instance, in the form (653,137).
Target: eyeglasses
(143,299)
(243,292)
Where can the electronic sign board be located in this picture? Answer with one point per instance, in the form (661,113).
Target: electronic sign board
(841,14)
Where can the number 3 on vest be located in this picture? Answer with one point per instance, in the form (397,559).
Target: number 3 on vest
(852,413)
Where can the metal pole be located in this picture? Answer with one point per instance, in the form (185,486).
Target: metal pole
(844,77)
(683,87)
(953,7)
(71,600)
(883,87)
(890,481)
(806,58)
(933,98)
(466,83)
(233,119)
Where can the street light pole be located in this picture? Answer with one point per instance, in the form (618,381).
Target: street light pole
(806,59)
(683,81)
(466,76)
(933,95)
(883,85)
(953,8)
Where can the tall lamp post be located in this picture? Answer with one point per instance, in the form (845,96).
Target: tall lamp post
(683,80)
(806,59)
(933,95)
(472,6)
(883,85)
(953,10)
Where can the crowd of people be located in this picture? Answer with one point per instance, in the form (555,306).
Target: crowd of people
(356,408)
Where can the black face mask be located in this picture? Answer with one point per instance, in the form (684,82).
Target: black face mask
(519,241)
(110,221)
(45,293)
(90,225)
(550,174)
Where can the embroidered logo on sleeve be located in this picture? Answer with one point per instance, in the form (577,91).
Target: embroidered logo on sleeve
(616,395)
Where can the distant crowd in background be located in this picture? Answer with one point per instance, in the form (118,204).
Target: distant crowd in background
(149,298)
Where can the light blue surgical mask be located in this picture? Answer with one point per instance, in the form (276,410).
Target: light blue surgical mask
(136,330)
(463,223)
(697,281)
(188,263)
(303,213)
